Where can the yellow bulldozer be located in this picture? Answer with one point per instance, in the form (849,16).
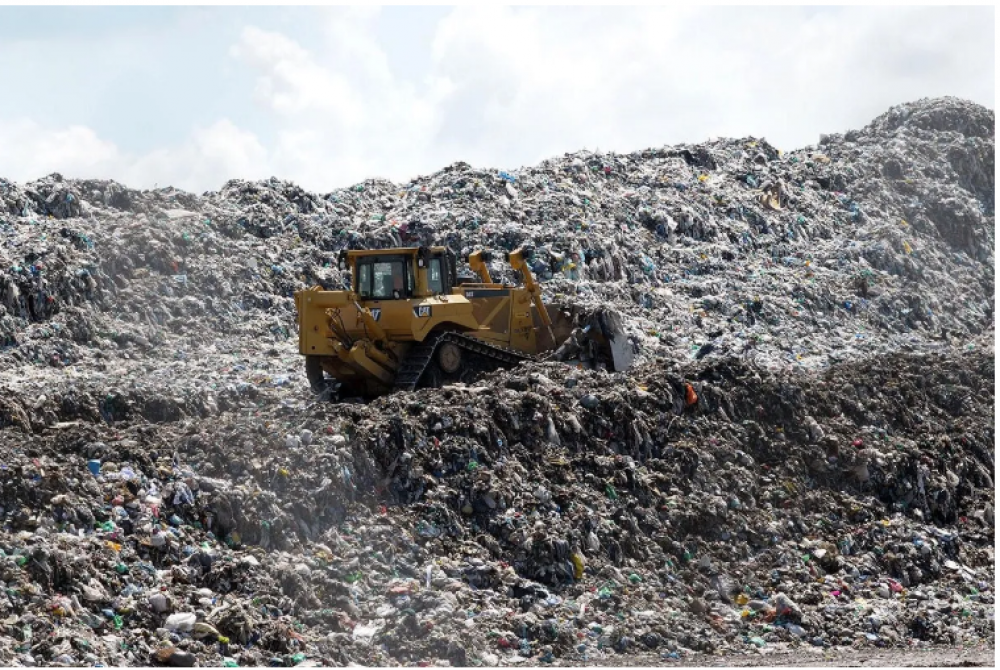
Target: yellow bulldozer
(409,321)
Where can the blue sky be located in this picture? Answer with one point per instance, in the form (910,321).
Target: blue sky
(120,70)
(329,96)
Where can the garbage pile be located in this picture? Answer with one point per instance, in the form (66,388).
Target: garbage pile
(855,247)
(551,514)
(803,458)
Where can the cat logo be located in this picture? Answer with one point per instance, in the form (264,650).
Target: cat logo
(422,311)
(376,313)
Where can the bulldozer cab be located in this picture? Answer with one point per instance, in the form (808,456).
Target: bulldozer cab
(400,274)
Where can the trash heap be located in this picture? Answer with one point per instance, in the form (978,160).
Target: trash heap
(551,514)
(803,459)
(854,247)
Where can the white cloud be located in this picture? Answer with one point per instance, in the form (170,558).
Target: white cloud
(510,86)
(346,118)
(553,80)
(30,151)
(200,163)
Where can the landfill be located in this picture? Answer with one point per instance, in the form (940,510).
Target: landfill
(801,460)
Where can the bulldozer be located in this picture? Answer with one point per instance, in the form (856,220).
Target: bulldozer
(408,320)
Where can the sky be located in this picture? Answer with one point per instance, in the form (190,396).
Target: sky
(329,96)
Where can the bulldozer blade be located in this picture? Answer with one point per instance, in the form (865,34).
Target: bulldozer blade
(620,349)
(603,327)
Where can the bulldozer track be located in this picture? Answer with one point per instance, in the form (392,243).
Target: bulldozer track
(422,355)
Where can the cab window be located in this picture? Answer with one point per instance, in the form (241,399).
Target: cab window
(364,278)
(435,280)
(383,279)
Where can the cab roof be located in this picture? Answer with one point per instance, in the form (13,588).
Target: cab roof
(412,251)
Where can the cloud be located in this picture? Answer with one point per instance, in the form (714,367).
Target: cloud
(348,117)
(540,81)
(200,163)
(504,87)
(32,151)
(511,86)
